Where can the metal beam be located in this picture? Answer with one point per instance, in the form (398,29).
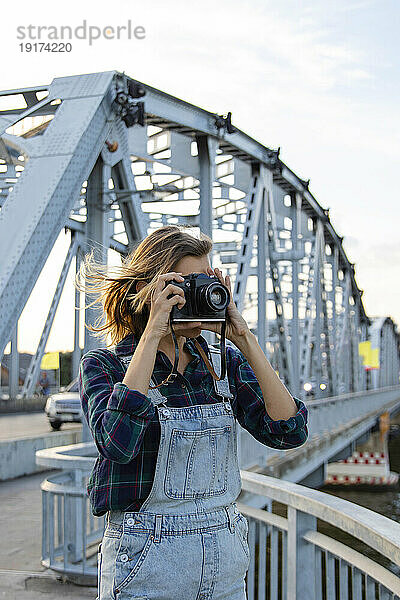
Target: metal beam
(35,362)
(51,180)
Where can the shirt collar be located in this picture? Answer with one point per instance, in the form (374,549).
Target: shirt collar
(127,345)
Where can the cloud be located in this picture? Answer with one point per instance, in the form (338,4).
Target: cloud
(361,74)
(378,255)
(378,274)
(354,6)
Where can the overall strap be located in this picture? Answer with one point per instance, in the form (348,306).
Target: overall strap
(221,386)
(154,393)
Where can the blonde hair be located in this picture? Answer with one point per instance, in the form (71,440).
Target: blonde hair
(124,307)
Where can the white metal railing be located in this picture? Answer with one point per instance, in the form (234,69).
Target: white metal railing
(324,416)
(327,413)
(70,532)
(291,559)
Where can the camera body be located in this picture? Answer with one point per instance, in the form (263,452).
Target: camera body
(206,299)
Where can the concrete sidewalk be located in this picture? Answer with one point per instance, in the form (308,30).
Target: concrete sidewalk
(21,574)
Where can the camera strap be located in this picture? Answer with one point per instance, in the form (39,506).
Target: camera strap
(208,364)
(223,355)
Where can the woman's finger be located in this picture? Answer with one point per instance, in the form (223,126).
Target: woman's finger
(229,286)
(165,276)
(224,280)
(210,271)
(220,276)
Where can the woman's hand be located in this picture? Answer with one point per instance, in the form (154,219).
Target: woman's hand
(236,326)
(161,305)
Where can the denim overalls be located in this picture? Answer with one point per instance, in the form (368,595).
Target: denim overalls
(188,540)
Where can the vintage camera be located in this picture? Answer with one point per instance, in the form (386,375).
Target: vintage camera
(206,299)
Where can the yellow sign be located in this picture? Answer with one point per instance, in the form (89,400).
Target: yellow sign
(51,360)
(370,355)
(364,349)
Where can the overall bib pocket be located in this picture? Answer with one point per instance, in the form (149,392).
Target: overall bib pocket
(193,470)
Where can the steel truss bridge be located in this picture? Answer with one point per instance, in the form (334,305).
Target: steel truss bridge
(108,159)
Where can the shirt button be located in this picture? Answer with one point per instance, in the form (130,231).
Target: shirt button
(124,557)
(130,521)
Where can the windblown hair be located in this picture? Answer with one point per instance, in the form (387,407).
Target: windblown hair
(124,308)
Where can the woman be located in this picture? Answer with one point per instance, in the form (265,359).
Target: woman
(167,474)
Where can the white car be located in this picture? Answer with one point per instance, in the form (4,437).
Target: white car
(65,406)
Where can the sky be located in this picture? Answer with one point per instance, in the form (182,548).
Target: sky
(318,79)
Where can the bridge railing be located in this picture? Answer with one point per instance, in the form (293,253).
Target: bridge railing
(327,413)
(70,532)
(324,416)
(289,557)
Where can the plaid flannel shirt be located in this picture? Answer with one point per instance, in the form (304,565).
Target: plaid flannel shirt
(125,426)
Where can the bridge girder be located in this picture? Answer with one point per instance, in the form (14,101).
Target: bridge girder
(80,164)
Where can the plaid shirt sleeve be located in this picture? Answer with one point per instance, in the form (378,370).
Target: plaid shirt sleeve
(252,415)
(117,416)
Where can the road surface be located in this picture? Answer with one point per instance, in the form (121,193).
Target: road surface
(22,576)
(28,424)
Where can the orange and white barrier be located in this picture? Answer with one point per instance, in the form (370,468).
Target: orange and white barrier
(362,467)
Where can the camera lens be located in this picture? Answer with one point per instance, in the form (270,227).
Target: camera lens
(215,297)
